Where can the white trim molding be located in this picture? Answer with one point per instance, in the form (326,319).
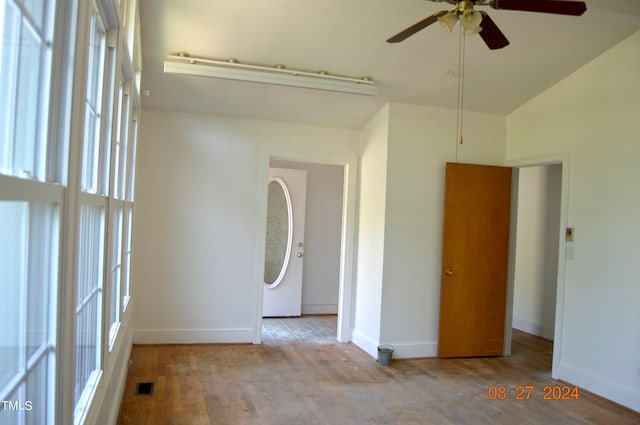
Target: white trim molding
(193,336)
(563,158)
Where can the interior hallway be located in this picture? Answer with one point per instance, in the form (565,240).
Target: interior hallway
(307,382)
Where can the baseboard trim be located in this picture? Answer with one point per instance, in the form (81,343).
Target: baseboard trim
(400,350)
(625,396)
(193,336)
(365,343)
(545,332)
(319,308)
(414,350)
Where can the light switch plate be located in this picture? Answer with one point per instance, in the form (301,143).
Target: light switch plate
(569,252)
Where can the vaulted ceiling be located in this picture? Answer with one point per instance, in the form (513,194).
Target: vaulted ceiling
(348,38)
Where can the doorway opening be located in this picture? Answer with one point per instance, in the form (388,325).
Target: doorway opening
(320,255)
(537,250)
(304,328)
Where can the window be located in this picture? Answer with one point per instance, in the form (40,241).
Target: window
(28,272)
(126,272)
(122,139)
(131,174)
(89,306)
(130,15)
(66,201)
(92,217)
(29,215)
(91,165)
(25,74)
(116,275)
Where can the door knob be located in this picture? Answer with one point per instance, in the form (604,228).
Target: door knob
(299,254)
(448,271)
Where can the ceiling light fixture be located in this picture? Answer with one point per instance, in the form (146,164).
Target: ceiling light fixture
(448,20)
(232,69)
(469,19)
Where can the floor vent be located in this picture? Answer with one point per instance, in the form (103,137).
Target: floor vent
(144,388)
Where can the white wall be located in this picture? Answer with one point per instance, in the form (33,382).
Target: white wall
(536,261)
(323,225)
(201,198)
(404,150)
(594,115)
(421,141)
(370,244)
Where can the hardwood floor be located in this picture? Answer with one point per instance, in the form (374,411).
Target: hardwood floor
(330,383)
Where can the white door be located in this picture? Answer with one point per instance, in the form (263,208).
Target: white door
(284,251)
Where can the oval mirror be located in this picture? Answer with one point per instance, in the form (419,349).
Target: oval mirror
(279,232)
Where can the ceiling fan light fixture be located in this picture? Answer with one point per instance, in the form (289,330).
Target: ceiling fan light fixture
(448,20)
(472,31)
(471,20)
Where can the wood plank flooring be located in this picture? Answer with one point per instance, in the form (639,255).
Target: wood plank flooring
(307,382)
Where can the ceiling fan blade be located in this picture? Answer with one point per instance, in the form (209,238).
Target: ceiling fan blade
(575,8)
(416,27)
(491,34)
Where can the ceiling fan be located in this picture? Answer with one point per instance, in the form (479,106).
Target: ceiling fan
(474,22)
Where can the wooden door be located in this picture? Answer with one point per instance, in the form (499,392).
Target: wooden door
(475,251)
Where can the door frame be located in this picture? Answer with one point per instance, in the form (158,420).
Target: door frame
(563,159)
(346,284)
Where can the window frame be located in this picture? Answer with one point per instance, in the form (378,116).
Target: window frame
(44,109)
(82,405)
(61,122)
(108,17)
(41,186)
(38,260)
(115,275)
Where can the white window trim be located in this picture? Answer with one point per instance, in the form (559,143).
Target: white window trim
(83,406)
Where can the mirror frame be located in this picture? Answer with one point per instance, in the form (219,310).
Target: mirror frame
(285,262)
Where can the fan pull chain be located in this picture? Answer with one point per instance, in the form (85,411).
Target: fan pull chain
(460,115)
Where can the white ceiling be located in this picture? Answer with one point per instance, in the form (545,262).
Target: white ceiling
(347,37)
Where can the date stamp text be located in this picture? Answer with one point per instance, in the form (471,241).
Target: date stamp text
(526,392)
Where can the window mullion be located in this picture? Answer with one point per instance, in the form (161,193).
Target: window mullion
(15,103)
(37,357)
(11,99)
(32,24)
(40,160)
(87,299)
(94,111)
(23,302)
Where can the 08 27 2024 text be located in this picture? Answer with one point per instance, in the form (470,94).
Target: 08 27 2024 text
(526,392)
